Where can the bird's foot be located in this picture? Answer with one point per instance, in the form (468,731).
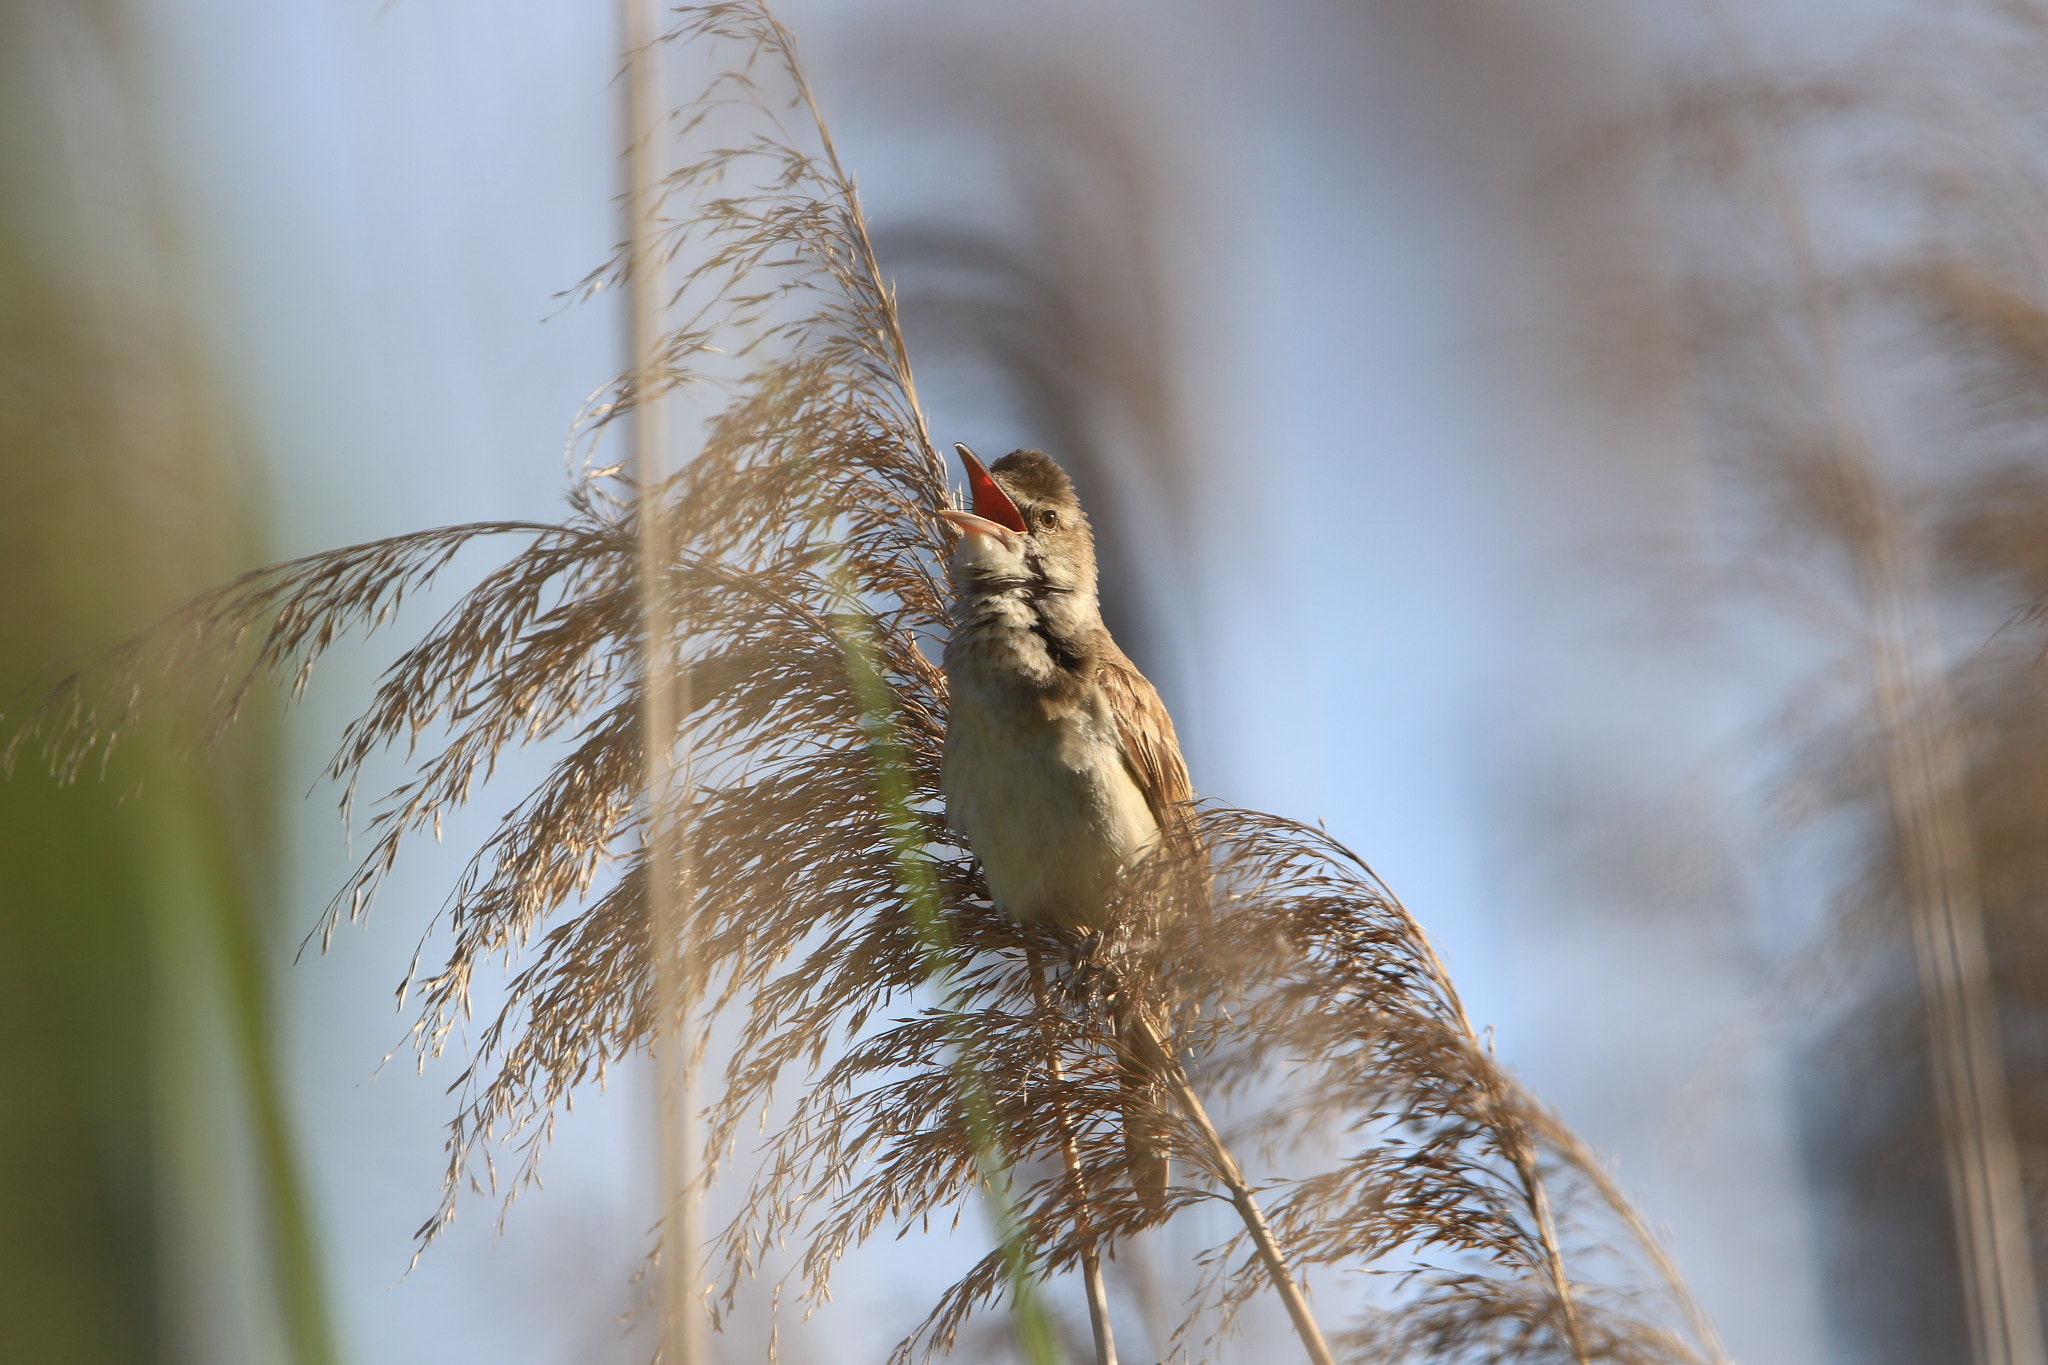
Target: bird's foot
(1089,977)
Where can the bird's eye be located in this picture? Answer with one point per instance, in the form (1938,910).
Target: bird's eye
(1048,519)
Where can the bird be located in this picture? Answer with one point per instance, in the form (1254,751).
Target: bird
(1061,768)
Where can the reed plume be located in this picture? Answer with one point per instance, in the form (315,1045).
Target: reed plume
(845,942)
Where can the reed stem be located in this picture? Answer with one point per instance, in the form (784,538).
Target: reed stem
(1091,1262)
(1225,1168)
(664,780)
(1522,1154)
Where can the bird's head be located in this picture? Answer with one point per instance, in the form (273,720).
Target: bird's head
(1026,530)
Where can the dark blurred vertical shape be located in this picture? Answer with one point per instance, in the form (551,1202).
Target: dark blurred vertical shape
(1995,544)
(151,1208)
(1061,305)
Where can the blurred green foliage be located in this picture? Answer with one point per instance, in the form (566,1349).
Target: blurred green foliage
(151,1208)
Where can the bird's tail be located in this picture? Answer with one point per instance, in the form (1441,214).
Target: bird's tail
(1142,1063)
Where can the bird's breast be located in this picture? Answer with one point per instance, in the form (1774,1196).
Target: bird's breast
(1037,783)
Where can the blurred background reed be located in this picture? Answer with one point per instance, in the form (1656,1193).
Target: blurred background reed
(1455,385)
(155,1205)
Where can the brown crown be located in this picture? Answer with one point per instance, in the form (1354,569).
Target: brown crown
(1031,476)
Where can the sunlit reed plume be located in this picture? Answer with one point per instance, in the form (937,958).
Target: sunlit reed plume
(883,1019)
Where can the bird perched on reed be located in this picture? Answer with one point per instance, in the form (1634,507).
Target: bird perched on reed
(1061,766)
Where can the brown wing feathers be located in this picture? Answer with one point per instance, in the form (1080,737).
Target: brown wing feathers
(1150,746)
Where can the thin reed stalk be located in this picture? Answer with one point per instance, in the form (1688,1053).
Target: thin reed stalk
(663,701)
(1924,773)
(1224,1167)
(1070,1155)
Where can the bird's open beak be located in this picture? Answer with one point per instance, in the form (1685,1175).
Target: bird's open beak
(972,525)
(991,503)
